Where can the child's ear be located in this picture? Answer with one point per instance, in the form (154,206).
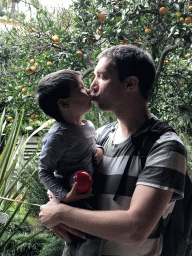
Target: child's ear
(63,103)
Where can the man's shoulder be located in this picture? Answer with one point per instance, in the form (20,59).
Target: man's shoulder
(168,136)
(90,124)
(100,130)
(170,141)
(167,132)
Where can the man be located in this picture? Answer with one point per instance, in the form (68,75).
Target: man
(130,223)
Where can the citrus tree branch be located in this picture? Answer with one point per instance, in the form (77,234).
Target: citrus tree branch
(162,58)
(89,70)
(155,11)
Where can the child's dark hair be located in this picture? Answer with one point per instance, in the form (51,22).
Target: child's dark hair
(55,86)
(129,61)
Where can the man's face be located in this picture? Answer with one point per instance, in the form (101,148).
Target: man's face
(106,86)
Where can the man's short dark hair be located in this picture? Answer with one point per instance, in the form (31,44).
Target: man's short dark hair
(129,61)
(55,86)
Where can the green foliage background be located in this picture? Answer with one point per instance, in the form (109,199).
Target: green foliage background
(79,30)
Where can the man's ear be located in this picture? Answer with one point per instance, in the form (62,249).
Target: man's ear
(63,103)
(132,81)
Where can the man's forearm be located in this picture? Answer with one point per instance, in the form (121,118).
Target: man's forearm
(103,224)
(133,225)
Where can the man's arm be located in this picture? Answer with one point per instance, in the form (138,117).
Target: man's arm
(133,225)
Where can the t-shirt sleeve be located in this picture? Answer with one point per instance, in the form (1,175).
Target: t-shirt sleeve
(165,166)
(53,149)
(95,134)
(98,132)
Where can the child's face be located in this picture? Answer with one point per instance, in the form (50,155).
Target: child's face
(81,99)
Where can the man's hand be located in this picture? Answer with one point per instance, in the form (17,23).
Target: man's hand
(73,195)
(50,218)
(49,213)
(97,155)
(62,231)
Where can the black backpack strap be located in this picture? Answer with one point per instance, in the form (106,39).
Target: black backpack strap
(104,134)
(143,144)
(157,129)
(122,182)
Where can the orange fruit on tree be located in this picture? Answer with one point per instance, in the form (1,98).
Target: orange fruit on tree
(124,41)
(181,84)
(188,20)
(177,13)
(32,116)
(23,90)
(163,10)
(31,94)
(190,8)
(147,31)
(49,63)
(36,116)
(80,53)
(100,16)
(186,56)
(166,62)
(9,118)
(174,117)
(32,61)
(36,64)
(55,38)
(28,70)
(33,68)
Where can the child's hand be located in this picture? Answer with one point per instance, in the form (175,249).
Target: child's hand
(97,155)
(73,195)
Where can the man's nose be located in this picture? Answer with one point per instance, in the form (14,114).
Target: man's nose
(93,84)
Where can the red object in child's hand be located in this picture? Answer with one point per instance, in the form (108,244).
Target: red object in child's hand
(84,181)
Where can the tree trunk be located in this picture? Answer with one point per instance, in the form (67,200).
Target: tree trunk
(13,9)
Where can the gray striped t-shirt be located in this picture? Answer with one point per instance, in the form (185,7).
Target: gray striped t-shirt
(165,168)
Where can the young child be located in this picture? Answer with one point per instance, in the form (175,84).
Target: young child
(69,146)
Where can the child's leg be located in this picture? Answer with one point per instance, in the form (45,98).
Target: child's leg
(89,247)
(69,250)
